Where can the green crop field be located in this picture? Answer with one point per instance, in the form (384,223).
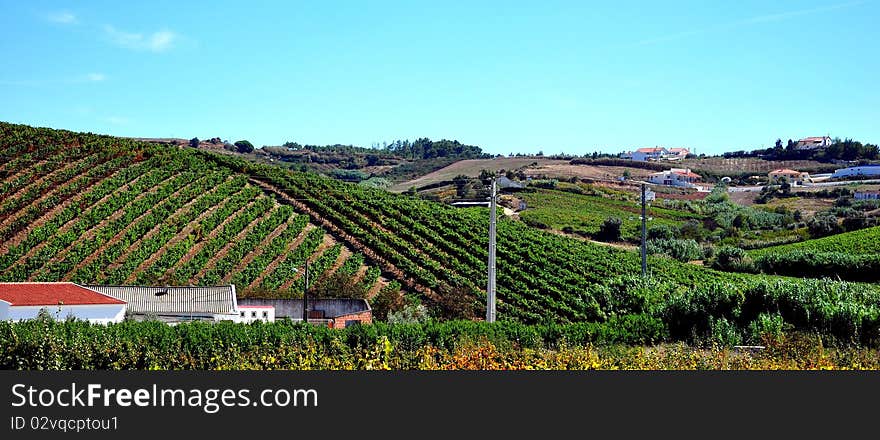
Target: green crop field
(584,214)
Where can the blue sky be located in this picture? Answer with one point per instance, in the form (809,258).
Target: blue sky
(555,76)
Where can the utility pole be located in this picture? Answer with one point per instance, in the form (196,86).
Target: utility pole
(306,294)
(490,286)
(644,234)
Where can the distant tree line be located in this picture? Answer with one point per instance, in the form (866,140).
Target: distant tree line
(840,149)
(422,148)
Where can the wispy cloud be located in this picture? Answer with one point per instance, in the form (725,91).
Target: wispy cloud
(95,77)
(792,14)
(159,41)
(62,17)
(81,79)
(117,120)
(766,18)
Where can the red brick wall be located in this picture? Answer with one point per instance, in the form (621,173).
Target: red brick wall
(364,317)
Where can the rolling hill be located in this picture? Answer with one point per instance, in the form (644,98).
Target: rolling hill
(99,209)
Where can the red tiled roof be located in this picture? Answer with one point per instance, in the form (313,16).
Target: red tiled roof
(649,150)
(785,171)
(687,174)
(52,294)
(814,138)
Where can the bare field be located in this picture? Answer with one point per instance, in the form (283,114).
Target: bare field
(472,168)
(562,170)
(748,164)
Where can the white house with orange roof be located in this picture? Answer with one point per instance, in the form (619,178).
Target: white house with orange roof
(681,177)
(646,154)
(788,176)
(23,301)
(678,153)
(812,143)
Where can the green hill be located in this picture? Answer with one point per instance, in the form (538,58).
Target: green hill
(100,209)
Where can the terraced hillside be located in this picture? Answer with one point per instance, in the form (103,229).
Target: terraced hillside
(148,213)
(96,209)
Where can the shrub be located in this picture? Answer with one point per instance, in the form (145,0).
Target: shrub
(609,230)
(681,250)
(244,146)
(732,259)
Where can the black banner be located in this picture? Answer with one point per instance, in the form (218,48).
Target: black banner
(413,404)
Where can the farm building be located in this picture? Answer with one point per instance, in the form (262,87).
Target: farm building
(787,175)
(177,303)
(678,153)
(23,301)
(812,143)
(867,195)
(334,313)
(682,177)
(646,154)
(859,171)
(249,314)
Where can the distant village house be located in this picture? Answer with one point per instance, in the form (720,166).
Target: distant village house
(812,143)
(649,154)
(681,177)
(785,175)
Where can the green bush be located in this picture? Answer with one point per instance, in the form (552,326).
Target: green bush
(681,250)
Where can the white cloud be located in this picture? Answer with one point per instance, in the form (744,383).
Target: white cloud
(62,17)
(117,120)
(748,21)
(159,41)
(87,78)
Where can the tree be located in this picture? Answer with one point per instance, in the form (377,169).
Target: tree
(456,302)
(194,142)
(244,146)
(610,229)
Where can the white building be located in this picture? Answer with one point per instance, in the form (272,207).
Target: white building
(860,171)
(867,195)
(177,303)
(646,154)
(678,154)
(682,177)
(249,314)
(812,143)
(23,301)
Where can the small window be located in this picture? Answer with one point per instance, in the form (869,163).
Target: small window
(253,314)
(265,315)
(242,314)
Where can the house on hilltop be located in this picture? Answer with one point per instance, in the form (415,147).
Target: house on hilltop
(23,301)
(812,143)
(649,154)
(678,154)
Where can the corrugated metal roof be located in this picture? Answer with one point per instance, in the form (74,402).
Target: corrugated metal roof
(179,299)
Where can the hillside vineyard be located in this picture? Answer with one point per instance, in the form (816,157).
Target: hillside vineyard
(98,209)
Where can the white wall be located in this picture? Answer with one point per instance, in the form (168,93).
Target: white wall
(857,171)
(95,313)
(248,311)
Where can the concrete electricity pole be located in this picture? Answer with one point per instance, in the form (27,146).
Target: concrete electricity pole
(306,294)
(644,234)
(490,286)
